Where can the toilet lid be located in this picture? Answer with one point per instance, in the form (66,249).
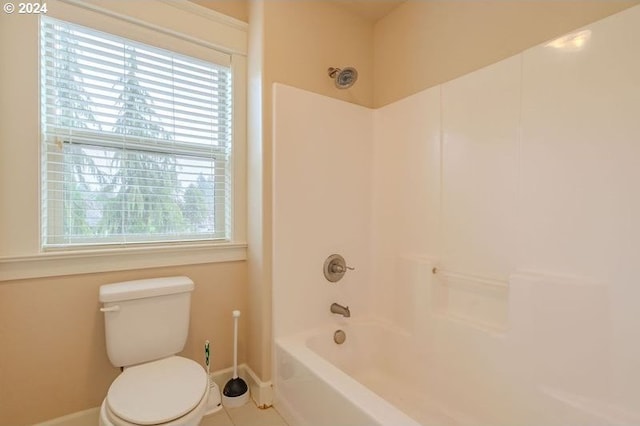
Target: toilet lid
(158,391)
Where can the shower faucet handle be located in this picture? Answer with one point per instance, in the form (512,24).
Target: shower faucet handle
(335,267)
(339,269)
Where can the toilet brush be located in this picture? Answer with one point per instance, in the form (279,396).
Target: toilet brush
(236,391)
(213,403)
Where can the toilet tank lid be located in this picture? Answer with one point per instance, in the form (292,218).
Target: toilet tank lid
(140,289)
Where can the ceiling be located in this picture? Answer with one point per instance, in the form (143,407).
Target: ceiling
(371,10)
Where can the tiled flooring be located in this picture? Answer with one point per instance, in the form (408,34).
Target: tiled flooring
(247,415)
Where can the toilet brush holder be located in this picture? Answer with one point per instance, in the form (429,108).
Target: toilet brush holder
(214,403)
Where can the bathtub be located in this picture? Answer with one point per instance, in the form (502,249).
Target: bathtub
(380,376)
(370,379)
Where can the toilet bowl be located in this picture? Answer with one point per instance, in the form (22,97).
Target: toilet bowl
(146,325)
(172,392)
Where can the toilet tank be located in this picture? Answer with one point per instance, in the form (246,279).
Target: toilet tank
(146,320)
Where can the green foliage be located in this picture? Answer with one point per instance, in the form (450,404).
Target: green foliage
(148,199)
(73,110)
(194,207)
(139,192)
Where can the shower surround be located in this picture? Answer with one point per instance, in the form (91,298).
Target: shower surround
(492,222)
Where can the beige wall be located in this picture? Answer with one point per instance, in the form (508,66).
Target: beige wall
(424,43)
(53,359)
(303,39)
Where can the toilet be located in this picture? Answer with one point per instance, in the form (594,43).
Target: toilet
(146,325)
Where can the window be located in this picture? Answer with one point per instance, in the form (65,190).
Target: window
(136,142)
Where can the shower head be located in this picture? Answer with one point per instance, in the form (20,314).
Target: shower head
(344,78)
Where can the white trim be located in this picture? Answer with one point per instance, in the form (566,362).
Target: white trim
(226,34)
(203,27)
(210,14)
(261,392)
(239,159)
(79,418)
(120,259)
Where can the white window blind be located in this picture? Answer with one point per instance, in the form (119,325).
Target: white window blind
(137,141)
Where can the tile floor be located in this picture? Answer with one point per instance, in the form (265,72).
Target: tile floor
(247,415)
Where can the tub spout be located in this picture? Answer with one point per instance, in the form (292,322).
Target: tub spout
(339,309)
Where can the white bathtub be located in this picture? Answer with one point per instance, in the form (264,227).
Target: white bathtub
(381,376)
(371,379)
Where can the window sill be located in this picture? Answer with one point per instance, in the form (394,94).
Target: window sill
(121,259)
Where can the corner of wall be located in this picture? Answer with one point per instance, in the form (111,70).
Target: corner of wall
(259,315)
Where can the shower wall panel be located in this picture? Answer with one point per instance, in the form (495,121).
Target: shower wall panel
(531,222)
(480,113)
(405,199)
(322,199)
(580,203)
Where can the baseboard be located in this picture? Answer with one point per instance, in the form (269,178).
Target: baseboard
(80,418)
(261,392)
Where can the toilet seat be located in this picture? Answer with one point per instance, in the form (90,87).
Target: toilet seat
(157,392)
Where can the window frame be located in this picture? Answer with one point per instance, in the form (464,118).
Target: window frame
(188,25)
(55,142)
